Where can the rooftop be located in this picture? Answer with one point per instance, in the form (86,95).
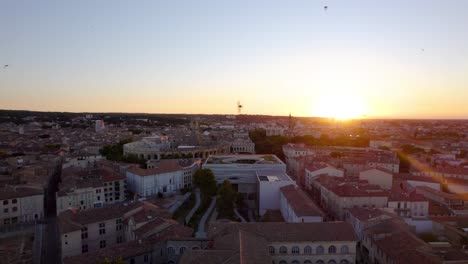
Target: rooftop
(300,202)
(243,159)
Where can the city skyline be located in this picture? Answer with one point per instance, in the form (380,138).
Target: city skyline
(354,59)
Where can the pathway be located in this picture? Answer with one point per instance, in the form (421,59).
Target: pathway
(195,208)
(201,226)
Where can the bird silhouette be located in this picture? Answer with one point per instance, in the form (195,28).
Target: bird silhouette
(325,8)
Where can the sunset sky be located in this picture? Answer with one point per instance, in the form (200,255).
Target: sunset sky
(403,59)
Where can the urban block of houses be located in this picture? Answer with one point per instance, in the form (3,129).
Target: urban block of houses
(297,207)
(91,187)
(283,243)
(164,176)
(20,204)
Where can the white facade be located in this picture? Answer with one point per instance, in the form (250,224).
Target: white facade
(18,205)
(243,146)
(166,183)
(82,161)
(379,177)
(91,196)
(410,209)
(269,191)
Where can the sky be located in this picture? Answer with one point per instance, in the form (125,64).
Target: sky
(374,58)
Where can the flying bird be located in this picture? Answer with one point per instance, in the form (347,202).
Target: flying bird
(422,49)
(325,8)
(6,65)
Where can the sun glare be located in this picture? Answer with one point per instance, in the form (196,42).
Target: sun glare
(339,107)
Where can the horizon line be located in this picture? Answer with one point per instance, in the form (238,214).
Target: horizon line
(299,116)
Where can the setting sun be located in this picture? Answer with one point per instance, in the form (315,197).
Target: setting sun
(339,106)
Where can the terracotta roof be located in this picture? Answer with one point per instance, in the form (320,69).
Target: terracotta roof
(326,231)
(365,214)
(154,226)
(10,192)
(72,220)
(162,166)
(126,250)
(300,202)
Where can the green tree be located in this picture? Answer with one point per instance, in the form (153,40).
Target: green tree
(205,180)
(227,197)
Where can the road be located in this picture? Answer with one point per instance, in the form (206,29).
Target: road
(52,242)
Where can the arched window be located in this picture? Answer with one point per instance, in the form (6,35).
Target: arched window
(332,250)
(295,250)
(308,261)
(331,261)
(295,262)
(344,250)
(272,250)
(344,261)
(320,262)
(308,250)
(182,250)
(283,262)
(195,248)
(320,250)
(283,250)
(170,251)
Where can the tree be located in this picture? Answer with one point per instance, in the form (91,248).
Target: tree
(205,180)
(227,198)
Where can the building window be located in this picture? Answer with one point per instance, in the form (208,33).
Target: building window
(332,250)
(308,250)
(14,220)
(283,250)
(272,250)
(84,248)
(14,201)
(5,202)
(295,250)
(102,244)
(320,250)
(84,232)
(118,224)
(119,239)
(132,261)
(344,261)
(102,228)
(5,210)
(319,261)
(307,261)
(145,258)
(283,262)
(181,250)
(344,250)
(170,251)
(331,261)
(195,248)
(295,262)
(15,209)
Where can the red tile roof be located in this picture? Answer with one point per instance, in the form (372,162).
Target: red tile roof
(300,202)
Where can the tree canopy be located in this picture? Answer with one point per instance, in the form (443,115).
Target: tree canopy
(227,197)
(205,180)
